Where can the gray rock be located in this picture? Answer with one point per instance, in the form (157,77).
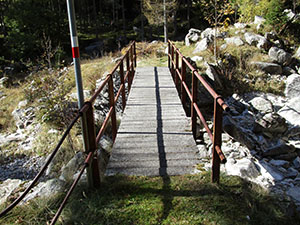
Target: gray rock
(288,71)
(270,172)
(23,116)
(210,33)
(262,105)
(256,40)
(292,87)
(271,124)
(204,152)
(271,68)
(280,163)
(192,37)
(297,54)
(234,41)
(291,172)
(278,55)
(237,132)
(45,189)
(240,25)
(4,82)
(214,76)
(202,45)
(294,192)
(296,162)
(289,156)
(72,166)
(244,168)
(271,36)
(7,187)
(278,149)
(197,58)
(291,111)
(259,20)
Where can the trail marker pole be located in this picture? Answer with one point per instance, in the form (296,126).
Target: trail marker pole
(93,177)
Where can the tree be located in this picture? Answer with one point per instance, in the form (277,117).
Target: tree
(159,14)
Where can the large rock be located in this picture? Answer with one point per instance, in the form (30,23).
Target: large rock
(271,36)
(271,68)
(297,54)
(244,168)
(202,45)
(240,25)
(23,116)
(278,55)
(4,82)
(270,172)
(214,76)
(46,189)
(257,40)
(278,149)
(7,187)
(210,33)
(192,37)
(271,124)
(259,20)
(240,134)
(262,105)
(294,192)
(291,111)
(292,86)
(234,41)
(72,166)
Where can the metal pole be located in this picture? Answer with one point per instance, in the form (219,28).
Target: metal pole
(76,59)
(165,23)
(75,51)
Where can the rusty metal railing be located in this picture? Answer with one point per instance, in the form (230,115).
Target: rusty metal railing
(91,161)
(179,76)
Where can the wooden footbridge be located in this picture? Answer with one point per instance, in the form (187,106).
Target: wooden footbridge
(155,138)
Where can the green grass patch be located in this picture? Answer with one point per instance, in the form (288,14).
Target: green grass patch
(189,199)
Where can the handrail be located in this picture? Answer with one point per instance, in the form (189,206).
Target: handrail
(86,111)
(179,76)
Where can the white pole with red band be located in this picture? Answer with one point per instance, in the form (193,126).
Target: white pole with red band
(76,60)
(75,51)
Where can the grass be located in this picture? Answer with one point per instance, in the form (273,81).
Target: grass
(13,96)
(189,199)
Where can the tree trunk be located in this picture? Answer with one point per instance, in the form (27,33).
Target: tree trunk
(142,22)
(189,13)
(215,36)
(123,17)
(165,23)
(95,19)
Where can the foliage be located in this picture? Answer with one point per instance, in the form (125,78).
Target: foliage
(218,12)
(50,90)
(275,15)
(153,10)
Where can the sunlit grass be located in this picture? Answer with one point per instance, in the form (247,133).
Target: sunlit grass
(189,199)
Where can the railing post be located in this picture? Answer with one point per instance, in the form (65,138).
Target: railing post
(112,106)
(176,68)
(134,52)
(122,83)
(183,75)
(217,141)
(194,100)
(93,173)
(169,52)
(132,63)
(172,61)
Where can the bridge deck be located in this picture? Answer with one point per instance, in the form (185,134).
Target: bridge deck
(154,137)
